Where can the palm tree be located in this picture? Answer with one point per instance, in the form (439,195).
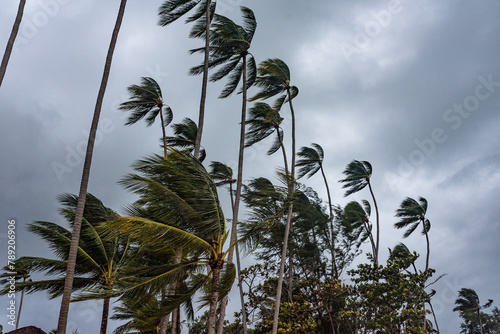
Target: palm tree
(179,193)
(468,301)
(146,101)
(12,39)
(273,79)
(185,137)
(310,162)
(18,273)
(358,174)
(356,222)
(229,48)
(75,236)
(412,213)
(101,257)
(171,11)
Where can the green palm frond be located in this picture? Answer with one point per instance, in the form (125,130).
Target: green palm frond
(310,160)
(221,173)
(358,175)
(171,10)
(273,79)
(412,213)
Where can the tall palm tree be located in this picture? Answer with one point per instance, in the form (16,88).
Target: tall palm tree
(273,79)
(179,193)
(310,162)
(101,257)
(146,101)
(12,39)
(170,11)
(75,236)
(229,51)
(412,214)
(185,137)
(358,174)
(468,301)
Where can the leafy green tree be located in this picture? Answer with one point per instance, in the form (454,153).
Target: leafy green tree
(310,162)
(358,174)
(12,39)
(412,214)
(177,189)
(146,101)
(468,303)
(73,250)
(169,12)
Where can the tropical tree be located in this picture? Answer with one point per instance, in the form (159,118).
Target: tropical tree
(185,136)
(18,273)
(146,101)
(468,303)
(101,259)
(229,52)
(12,39)
(75,235)
(273,79)
(412,214)
(358,174)
(178,190)
(170,11)
(310,162)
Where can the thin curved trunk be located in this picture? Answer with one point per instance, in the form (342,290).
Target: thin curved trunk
(20,305)
(212,313)
(288,224)
(237,196)
(70,271)
(204,85)
(428,248)
(335,272)
(164,134)
(378,225)
(12,39)
(105,315)
(434,315)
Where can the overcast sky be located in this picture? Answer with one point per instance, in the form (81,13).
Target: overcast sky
(413,87)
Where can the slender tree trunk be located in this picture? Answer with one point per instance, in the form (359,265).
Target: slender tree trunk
(237,196)
(70,271)
(12,39)
(164,134)
(428,248)
(176,312)
(20,305)
(288,223)
(434,315)
(479,317)
(105,315)
(378,225)
(164,324)
(335,272)
(212,313)
(204,85)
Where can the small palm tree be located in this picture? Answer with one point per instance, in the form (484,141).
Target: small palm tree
(12,39)
(75,236)
(185,136)
(412,214)
(358,174)
(18,273)
(356,222)
(310,162)
(146,101)
(468,301)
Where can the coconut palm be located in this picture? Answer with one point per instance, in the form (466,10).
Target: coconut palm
(170,11)
(18,273)
(100,261)
(412,214)
(75,235)
(358,174)
(356,222)
(146,101)
(185,137)
(468,302)
(178,190)
(273,79)
(310,162)
(12,39)
(229,52)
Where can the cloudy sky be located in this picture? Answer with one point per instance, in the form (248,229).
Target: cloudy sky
(411,86)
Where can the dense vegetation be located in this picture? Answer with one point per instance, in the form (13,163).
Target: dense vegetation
(173,249)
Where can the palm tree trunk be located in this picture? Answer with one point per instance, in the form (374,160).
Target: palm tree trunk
(335,272)
(105,315)
(434,315)
(378,225)
(164,134)
(204,85)
(237,196)
(70,271)
(212,313)
(428,248)
(12,39)
(480,321)
(20,305)
(176,312)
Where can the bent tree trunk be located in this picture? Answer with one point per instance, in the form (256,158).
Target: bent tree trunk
(12,39)
(70,271)
(212,313)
